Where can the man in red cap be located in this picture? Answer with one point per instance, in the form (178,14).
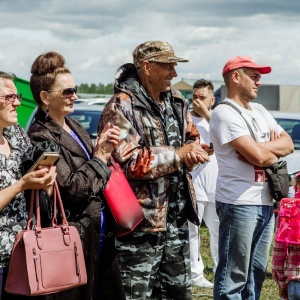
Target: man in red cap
(243,201)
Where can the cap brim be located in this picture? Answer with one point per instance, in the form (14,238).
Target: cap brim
(261,69)
(250,65)
(168,60)
(264,69)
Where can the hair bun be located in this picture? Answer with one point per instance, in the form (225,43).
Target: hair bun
(47,63)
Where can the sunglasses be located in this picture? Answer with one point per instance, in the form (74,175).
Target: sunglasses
(66,93)
(11,98)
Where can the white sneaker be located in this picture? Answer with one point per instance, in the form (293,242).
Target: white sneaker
(204,283)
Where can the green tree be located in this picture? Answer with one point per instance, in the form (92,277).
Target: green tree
(96,89)
(83,88)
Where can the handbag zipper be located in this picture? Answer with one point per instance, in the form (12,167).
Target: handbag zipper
(77,262)
(35,258)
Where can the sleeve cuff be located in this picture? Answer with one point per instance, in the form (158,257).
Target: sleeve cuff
(100,167)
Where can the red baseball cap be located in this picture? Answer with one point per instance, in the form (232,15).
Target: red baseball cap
(244,62)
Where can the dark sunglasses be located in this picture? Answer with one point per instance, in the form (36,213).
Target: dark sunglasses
(66,93)
(11,98)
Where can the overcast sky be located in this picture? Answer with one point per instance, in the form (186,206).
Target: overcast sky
(98,36)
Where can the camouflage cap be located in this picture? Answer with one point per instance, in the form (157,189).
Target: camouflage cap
(157,51)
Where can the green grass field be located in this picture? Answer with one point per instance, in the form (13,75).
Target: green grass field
(269,290)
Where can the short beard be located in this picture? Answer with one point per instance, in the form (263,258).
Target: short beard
(246,95)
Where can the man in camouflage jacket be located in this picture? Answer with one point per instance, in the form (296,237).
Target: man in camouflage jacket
(159,144)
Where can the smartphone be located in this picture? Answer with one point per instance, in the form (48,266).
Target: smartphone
(46,159)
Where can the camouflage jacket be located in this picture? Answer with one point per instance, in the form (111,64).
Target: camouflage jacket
(143,152)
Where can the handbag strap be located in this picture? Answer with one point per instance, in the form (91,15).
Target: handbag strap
(35,198)
(57,199)
(239,111)
(30,216)
(114,164)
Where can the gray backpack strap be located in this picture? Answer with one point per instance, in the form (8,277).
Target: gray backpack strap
(235,108)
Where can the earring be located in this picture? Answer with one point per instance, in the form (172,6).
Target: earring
(47,115)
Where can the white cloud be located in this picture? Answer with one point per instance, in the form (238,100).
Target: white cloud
(96,37)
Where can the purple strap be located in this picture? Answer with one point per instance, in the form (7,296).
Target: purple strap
(77,139)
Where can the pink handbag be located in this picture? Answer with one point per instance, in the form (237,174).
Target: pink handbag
(46,260)
(122,201)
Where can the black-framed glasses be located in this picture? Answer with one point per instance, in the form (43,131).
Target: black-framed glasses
(11,98)
(66,93)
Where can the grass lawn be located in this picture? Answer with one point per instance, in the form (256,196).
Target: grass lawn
(269,290)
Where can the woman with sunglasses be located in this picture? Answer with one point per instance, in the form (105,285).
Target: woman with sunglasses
(82,170)
(13,144)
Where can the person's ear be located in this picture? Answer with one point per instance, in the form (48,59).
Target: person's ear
(213,100)
(235,76)
(44,97)
(146,67)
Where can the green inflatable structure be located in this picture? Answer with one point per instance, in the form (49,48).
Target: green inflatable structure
(27,104)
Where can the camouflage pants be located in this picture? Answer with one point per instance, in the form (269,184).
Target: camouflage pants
(156,265)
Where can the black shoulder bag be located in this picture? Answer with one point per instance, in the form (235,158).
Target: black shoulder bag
(278,176)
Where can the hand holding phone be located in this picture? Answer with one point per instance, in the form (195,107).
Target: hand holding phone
(46,159)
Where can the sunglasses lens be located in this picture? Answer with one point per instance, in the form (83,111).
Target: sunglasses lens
(69,92)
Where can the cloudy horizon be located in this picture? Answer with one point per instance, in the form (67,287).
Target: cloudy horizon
(96,37)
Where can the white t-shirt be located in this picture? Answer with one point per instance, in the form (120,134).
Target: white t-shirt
(205,176)
(238,182)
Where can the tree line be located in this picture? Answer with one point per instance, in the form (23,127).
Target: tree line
(96,89)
